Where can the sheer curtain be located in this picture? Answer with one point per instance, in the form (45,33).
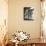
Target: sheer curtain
(3,18)
(44,21)
(43,6)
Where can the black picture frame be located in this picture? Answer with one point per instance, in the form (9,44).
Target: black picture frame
(28,12)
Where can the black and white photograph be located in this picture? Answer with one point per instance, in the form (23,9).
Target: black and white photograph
(28,12)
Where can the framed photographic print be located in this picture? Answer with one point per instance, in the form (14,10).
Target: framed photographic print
(28,12)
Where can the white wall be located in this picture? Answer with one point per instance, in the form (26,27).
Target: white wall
(16,21)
